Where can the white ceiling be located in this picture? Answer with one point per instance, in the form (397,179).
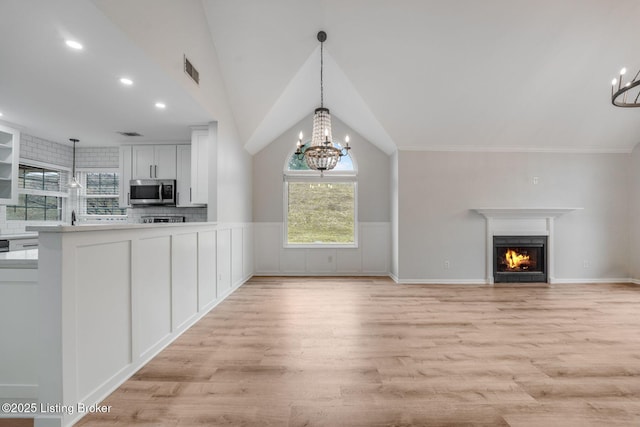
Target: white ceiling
(413,74)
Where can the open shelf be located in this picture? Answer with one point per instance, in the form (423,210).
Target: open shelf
(9,149)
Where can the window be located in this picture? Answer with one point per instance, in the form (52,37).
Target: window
(99,196)
(320,211)
(39,195)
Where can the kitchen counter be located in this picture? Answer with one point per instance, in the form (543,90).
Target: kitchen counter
(18,236)
(93,227)
(19,259)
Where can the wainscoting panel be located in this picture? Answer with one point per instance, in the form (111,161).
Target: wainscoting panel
(224,261)
(371,257)
(349,261)
(152,297)
(207,292)
(103,310)
(184,278)
(237,264)
(19,333)
(292,261)
(267,260)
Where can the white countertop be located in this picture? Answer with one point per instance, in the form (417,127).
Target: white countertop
(18,236)
(19,259)
(93,227)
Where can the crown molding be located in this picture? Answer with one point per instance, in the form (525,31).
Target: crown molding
(491,149)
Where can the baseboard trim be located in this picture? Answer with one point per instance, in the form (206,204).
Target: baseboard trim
(591,281)
(485,282)
(441,281)
(324,274)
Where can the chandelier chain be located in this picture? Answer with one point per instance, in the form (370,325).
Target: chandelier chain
(321,68)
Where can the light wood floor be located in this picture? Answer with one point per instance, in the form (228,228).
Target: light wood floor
(367,352)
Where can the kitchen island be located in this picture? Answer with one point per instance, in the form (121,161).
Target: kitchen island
(110,297)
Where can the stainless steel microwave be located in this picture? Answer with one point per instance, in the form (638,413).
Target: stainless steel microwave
(152,192)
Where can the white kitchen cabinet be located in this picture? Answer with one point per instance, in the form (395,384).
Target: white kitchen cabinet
(125,175)
(184,188)
(200,164)
(154,162)
(9,164)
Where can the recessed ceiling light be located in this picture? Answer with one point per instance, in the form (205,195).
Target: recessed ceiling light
(73,44)
(126,81)
(0,114)
(161,105)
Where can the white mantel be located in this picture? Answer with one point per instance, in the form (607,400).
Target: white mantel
(521,222)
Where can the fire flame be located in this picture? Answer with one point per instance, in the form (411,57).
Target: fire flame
(515,260)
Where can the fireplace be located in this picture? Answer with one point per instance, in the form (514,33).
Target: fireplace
(520,259)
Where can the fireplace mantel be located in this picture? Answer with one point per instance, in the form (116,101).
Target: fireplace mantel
(521,221)
(515,213)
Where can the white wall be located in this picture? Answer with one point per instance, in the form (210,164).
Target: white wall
(634,199)
(394,215)
(438,189)
(234,178)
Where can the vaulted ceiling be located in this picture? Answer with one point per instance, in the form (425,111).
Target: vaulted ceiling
(410,74)
(454,75)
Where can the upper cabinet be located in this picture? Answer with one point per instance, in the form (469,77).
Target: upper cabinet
(200,165)
(188,164)
(154,162)
(184,189)
(9,164)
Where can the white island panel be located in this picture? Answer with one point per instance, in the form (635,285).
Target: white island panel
(103,307)
(207,290)
(152,300)
(18,334)
(184,271)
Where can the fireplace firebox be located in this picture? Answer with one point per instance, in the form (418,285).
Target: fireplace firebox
(520,259)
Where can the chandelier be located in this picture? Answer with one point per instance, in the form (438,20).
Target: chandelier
(321,154)
(625,95)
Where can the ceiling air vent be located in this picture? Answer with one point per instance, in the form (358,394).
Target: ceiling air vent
(191,70)
(130,134)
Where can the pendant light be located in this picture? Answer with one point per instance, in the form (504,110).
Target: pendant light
(73,182)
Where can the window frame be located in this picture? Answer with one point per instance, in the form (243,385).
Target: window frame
(312,176)
(82,195)
(61,193)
